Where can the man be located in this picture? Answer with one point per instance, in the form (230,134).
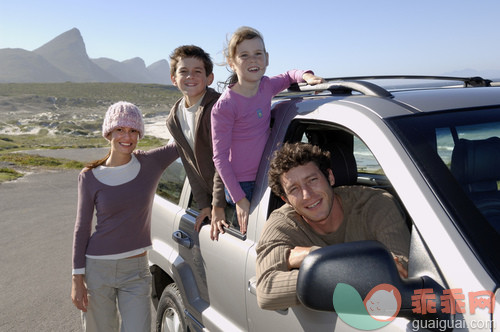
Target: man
(316,215)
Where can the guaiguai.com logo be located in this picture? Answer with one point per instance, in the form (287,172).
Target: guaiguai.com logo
(383,303)
(380,307)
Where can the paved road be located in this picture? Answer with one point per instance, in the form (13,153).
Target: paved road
(37,215)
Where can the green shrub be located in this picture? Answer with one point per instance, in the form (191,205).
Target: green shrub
(8,174)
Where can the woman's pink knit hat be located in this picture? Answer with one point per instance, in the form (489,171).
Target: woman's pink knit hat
(123,114)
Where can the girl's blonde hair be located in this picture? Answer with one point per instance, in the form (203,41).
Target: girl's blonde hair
(241,34)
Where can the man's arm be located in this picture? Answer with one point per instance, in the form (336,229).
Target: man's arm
(297,255)
(276,284)
(277,263)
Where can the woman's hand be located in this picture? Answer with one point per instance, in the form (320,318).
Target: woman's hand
(79,292)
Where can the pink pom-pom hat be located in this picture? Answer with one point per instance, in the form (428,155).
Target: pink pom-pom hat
(123,114)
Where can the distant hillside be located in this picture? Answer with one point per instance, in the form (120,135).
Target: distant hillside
(76,109)
(21,66)
(16,97)
(65,59)
(488,74)
(135,70)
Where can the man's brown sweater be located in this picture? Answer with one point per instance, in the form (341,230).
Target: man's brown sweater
(369,214)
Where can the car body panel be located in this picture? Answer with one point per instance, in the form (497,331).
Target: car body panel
(217,279)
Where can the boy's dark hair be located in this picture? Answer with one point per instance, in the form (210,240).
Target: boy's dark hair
(292,155)
(190,51)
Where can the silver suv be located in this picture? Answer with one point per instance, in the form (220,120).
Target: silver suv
(434,144)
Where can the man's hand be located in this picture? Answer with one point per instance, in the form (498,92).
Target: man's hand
(403,273)
(312,79)
(79,292)
(204,213)
(296,256)
(217,223)
(242,212)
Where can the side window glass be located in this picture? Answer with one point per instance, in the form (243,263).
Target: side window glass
(365,161)
(171,182)
(445,145)
(446,141)
(471,153)
(192,204)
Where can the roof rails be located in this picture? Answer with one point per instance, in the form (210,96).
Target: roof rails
(343,87)
(347,85)
(475,81)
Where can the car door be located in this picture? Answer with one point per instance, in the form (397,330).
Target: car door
(288,127)
(167,208)
(211,273)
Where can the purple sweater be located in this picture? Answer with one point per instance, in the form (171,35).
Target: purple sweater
(240,128)
(123,212)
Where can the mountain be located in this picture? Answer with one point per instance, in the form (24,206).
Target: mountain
(487,74)
(65,58)
(21,66)
(160,71)
(67,53)
(135,70)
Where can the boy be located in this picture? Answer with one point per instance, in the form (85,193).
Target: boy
(189,124)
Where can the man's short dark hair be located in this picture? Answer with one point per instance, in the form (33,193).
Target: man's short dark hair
(292,155)
(190,51)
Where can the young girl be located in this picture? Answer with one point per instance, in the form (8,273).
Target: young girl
(241,117)
(110,266)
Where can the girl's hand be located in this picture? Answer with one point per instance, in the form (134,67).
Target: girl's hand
(312,79)
(242,211)
(79,292)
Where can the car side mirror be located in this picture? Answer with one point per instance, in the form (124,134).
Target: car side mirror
(362,265)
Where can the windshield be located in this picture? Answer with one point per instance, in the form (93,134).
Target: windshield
(459,154)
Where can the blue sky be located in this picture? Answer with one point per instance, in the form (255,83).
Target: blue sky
(333,38)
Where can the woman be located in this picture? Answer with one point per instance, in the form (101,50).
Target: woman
(110,265)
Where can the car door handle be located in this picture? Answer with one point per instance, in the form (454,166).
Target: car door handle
(182,238)
(252,288)
(252,285)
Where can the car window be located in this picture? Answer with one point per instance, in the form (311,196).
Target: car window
(353,163)
(472,153)
(171,182)
(459,153)
(447,136)
(193,205)
(231,218)
(468,144)
(365,161)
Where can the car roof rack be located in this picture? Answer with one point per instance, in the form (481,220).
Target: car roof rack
(475,81)
(343,87)
(347,85)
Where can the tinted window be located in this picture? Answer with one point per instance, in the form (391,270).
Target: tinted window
(459,154)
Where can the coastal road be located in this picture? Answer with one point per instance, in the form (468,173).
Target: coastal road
(37,215)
